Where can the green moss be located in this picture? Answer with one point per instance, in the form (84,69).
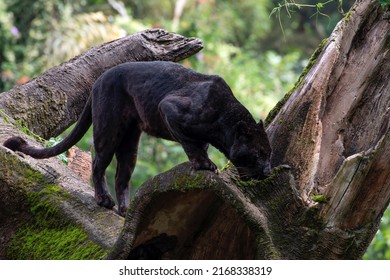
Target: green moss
(43,205)
(347,17)
(311,219)
(313,59)
(6,118)
(227,166)
(20,173)
(21,126)
(248,184)
(273,113)
(319,198)
(181,182)
(50,235)
(58,243)
(187,181)
(46,233)
(260,184)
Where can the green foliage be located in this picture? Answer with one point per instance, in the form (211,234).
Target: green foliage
(8,36)
(290,5)
(275,110)
(54,141)
(384,2)
(70,38)
(238,23)
(303,23)
(38,35)
(380,246)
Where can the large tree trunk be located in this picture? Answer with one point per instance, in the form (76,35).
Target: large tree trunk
(323,200)
(46,210)
(332,130)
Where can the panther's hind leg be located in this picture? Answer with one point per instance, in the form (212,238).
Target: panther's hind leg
(126,155)
(107,133)
(100,163)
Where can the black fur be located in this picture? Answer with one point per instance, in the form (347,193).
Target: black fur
(169,101)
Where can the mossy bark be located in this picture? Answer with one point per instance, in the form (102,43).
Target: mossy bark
(47,213)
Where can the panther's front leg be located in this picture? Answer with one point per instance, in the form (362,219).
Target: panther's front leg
(197,154)
(179,114)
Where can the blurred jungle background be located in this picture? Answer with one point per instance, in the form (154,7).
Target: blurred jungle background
(259,47)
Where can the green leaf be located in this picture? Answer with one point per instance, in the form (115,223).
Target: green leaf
(54,141)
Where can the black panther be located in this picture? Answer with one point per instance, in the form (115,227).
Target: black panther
(169,101)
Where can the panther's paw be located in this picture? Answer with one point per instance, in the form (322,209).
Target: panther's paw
(105,201)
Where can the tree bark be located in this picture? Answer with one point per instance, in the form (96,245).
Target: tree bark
(332,130)
(46,210)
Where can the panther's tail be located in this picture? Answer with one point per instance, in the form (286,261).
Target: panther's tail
(85,121)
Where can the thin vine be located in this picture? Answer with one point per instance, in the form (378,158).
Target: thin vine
(290,5)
